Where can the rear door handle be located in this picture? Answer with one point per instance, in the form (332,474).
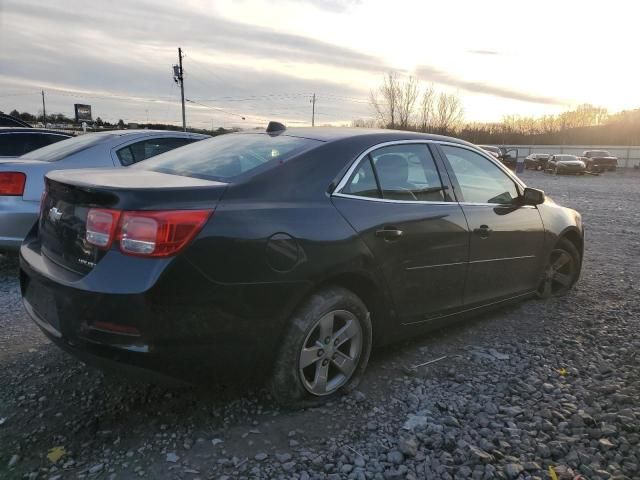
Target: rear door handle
(483,230)
(389,233)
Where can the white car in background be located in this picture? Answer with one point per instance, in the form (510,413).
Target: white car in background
(22,178)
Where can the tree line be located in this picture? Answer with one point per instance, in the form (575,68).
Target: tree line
(407,104)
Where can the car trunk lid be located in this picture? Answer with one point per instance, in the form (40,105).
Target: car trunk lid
(70,194)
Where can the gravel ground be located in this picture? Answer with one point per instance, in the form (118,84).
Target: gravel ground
(543,384)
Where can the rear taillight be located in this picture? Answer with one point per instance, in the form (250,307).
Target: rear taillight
(101,227)
(145,233)
(12,183)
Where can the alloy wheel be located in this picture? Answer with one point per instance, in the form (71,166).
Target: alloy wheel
(330,353)
(559,275)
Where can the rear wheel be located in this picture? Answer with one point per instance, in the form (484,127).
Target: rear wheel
(561,272)
(325,351)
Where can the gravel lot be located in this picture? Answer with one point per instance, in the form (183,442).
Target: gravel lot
(543,384)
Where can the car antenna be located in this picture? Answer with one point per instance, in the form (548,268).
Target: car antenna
(275,127)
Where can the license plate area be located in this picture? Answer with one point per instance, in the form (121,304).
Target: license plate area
(43,303)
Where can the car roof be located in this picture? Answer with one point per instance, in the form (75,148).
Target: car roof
(329,134)
(32,130)
(144,132)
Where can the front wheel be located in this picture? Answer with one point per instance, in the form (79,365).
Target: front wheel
(325,351)
(561,271)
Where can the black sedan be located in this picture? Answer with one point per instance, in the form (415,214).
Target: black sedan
(565,164)
(536,161)
(286,254)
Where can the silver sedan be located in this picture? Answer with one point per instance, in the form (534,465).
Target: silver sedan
(22,178)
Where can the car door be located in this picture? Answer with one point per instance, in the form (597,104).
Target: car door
(507,238)
(394,197)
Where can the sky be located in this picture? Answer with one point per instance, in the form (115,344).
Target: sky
(250,61)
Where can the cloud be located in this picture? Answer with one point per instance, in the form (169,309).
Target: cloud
(483,52)
(432,74)
(333,5)
(142,21)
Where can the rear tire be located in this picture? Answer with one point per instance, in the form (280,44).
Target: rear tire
(562,269)
(325,350)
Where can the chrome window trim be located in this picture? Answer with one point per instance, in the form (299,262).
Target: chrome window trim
(356,163)
(389,200)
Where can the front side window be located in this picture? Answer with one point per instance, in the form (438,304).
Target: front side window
(479,180)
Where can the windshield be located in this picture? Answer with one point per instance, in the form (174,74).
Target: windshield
(566,158)
(58,151)
(227,156)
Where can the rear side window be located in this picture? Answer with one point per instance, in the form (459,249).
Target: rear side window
(228,156)
(398,172)
(136,152)
(363,182)
(408,172)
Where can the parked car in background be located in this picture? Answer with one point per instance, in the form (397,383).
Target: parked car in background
(536,161)
(285,255)
(11,121)
(502,154)
(565,164)
(599,161)
(493,150)
(22,178)
(16,141)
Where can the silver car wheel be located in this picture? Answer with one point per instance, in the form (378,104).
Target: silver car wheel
(330,353)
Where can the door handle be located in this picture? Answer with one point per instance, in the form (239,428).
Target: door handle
(483,230)
(389,233)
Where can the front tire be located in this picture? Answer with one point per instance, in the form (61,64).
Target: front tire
(325,351)
(561,271)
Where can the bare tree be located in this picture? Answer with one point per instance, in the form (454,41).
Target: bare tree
(386,101)
(449,113)
(364,123)
(427,109)
(408,92)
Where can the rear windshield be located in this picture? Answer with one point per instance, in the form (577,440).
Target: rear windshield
(566,158)
(228,156)
(599,153)
(60,150)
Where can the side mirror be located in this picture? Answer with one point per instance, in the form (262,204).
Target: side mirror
(533,196)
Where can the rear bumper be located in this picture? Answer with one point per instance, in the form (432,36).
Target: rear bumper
(17,216)
(570,169)
(182,328)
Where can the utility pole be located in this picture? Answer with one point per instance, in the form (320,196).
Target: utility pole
(178,77)
(44,112)
(313,110)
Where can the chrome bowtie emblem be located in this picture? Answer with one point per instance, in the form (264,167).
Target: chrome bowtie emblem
(55,215)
